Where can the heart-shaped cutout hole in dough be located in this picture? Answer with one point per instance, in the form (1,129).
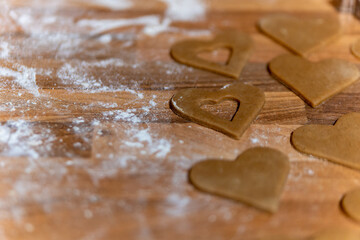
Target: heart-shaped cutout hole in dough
(298,34)
(220,56)
(257,177)
(225,109)
(187,104)
(314,82)
(339,143)
(240,45)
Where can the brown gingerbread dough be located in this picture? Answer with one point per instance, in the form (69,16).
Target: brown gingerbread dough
(336,233)
(355,48)
(339,143)
(239,44)
(298,34)
(257,177)
(187,104)
(314,82)
(351,204)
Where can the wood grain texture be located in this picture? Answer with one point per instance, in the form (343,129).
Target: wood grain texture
(92,150)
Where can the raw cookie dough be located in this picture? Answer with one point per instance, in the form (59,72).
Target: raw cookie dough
(355,48)
(339,143)
(314,82)
(298,34)
(187,104)
(239,44)
(257,177)
(351,204)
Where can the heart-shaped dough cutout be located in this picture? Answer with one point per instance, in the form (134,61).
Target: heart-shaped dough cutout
(187,104)
(355,48)
(351,204)
(298,34)
(257,177)
(339,143)
(239,44)
(314,82)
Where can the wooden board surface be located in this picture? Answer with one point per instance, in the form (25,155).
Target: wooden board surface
(89,148)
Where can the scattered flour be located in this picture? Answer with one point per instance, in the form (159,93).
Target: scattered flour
(185,10)
(36,23)
(23,76)
(155,29)
(121,115)
(18,138)
(177,204)
(177,10)
(101,26)
(114,62)
(112,4)
(134,143)
(79,74)
(4,49)
(159,147)
(53,35)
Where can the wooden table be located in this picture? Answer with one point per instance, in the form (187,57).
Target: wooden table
(90,149)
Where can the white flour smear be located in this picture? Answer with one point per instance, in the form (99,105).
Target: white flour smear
(112,4)
(23,76)
(185,10)
(177,10)
(77,74)
(18,138)
(101,26)
(4,49)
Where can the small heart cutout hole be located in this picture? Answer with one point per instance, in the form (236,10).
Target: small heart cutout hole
(221,56)
(225,109)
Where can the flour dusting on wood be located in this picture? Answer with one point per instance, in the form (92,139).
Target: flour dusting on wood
(79,54)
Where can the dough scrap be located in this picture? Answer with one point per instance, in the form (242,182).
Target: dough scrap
(187,104)
(239,44)
(339,143)
(257,177)
(355,48)
(351,204)
(300,35)
(314,82)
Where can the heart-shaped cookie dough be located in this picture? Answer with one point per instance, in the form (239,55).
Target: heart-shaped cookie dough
(355,48)
(314,82)
(187,104)
(300,35)
(239,44)
(257,177)
(339,143)
(351,204)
